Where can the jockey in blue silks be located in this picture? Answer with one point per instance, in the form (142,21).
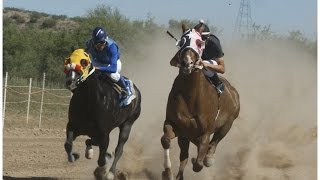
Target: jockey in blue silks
(105,56)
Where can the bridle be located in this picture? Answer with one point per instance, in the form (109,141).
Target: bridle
(189,63)
(75,76)
(190,42)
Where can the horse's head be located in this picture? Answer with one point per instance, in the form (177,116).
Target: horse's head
(77,68)
(190,50)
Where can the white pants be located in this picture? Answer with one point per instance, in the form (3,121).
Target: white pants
(114,76)
(209,73)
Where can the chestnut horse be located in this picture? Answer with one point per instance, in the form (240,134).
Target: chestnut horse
(195,110)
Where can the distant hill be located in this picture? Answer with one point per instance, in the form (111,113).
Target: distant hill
(24,18)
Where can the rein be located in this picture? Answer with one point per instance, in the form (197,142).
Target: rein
(85,75)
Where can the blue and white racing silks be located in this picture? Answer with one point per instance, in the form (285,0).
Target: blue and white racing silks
(107,59)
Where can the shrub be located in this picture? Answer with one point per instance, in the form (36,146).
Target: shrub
(48,23)
(34,17)
(19,19)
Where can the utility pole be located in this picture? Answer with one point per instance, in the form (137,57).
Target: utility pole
(243,25)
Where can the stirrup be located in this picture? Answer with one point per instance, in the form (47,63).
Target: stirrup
(126,100)
(129,99)
(220,88)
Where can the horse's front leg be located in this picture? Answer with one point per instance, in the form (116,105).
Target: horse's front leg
(102,170)
(165,142)
(68,144)
(203,143)
(216,138)
(184,154)
(123,137)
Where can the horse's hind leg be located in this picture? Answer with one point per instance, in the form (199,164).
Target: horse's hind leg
(165,141)
(184,154)
(217,137)
(89,151)
(68,144)
(123,137)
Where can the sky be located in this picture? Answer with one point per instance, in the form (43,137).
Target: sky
(282,16)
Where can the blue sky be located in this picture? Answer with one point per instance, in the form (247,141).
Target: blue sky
(282,15)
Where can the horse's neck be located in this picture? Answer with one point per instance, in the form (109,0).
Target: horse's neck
(196,92)
(95,89)
(193,85)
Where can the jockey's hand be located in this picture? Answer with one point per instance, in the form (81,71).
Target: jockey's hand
(201,62)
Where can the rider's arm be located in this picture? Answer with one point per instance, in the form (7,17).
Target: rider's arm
(215,47)
(219,68)
(112,67)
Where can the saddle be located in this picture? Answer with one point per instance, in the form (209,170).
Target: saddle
(217,83)
(114,85)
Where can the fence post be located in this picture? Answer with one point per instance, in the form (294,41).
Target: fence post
(43,85)
(5,97)
(29,97)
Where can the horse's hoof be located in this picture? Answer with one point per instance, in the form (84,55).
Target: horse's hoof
(208,161)
(110,176)
(73,157)
(121,175)
(196,166)
(167,174)
(89,153)
(100,173)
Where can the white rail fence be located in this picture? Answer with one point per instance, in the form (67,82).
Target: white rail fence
(26,101)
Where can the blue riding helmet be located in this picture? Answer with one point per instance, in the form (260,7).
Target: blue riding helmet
(99,35)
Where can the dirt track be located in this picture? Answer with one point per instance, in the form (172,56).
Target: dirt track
(39,154)
(274,138)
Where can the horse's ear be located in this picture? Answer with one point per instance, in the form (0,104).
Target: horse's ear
(175,60)
(67,60)
(184,28)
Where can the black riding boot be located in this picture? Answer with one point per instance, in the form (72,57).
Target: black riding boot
(217,83)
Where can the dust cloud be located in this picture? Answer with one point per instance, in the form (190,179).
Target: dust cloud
(273,138)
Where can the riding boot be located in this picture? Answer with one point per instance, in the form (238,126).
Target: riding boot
(217,83)
(129,96)
(123,85)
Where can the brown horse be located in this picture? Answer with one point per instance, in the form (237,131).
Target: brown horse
(195,110)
